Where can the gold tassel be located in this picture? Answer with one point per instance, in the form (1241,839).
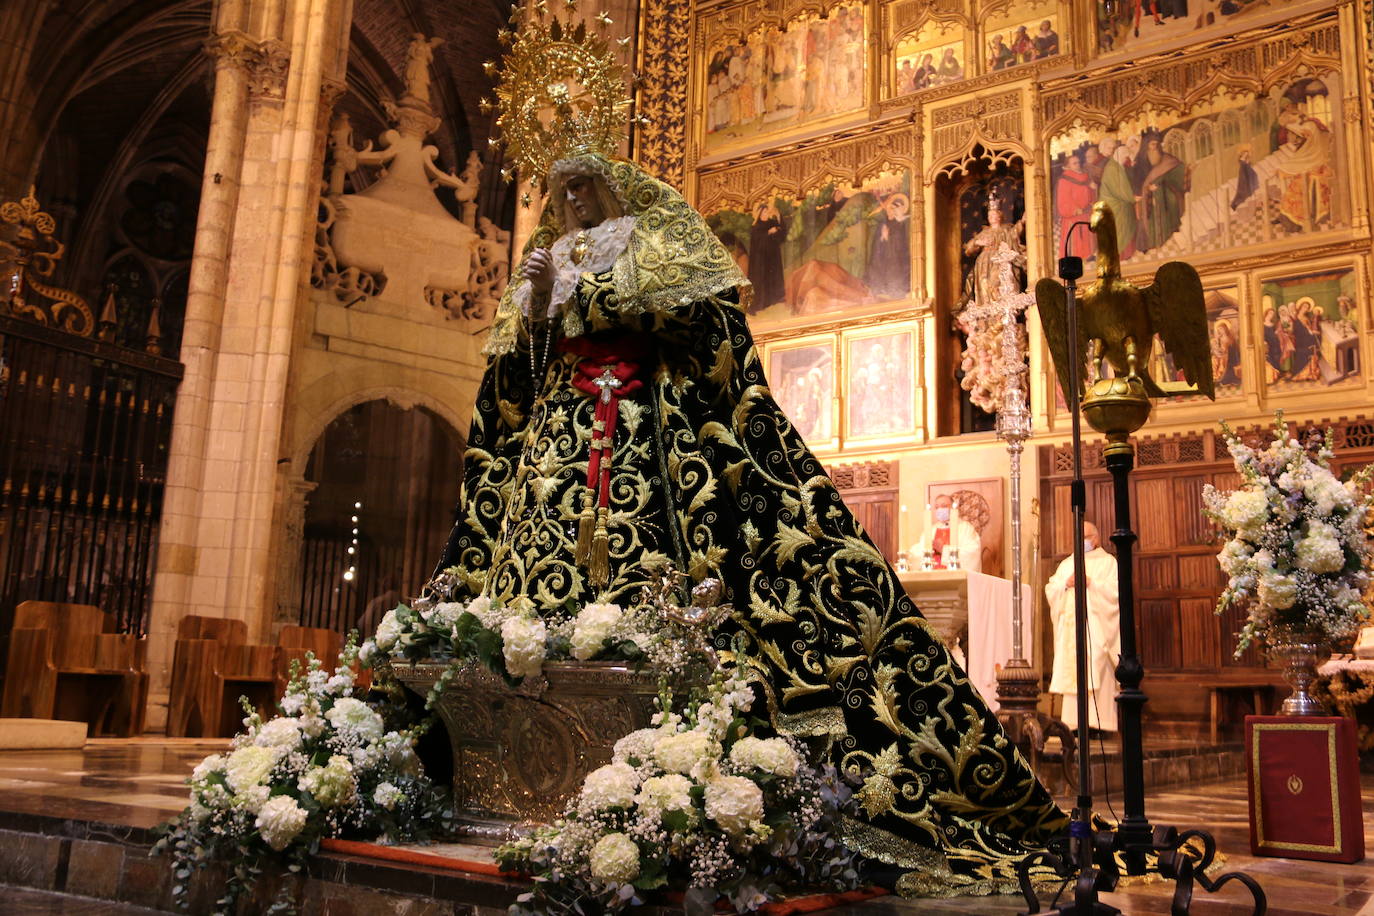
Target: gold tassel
(600,571)
(585,522)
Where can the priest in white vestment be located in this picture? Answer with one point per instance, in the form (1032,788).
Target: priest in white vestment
(949,534)
(1104,634)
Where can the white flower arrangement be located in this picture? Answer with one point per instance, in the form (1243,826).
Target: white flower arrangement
(696,804)
(327,766)
(1297,552)
(514,641)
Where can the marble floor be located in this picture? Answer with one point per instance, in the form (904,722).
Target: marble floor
(140,783)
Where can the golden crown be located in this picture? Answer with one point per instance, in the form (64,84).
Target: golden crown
(561,91)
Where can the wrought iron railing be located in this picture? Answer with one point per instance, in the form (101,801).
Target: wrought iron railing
(84,432)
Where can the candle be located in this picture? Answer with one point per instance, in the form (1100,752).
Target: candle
(953,520)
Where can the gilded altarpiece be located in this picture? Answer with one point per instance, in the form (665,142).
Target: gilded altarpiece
(1235,137)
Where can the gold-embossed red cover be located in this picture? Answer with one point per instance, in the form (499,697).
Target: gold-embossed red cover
(1304,778)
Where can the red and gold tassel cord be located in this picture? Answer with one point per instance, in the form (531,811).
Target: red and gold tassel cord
(608,373)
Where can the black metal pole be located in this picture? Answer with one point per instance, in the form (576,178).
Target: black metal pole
(1080,830)
(1134,831)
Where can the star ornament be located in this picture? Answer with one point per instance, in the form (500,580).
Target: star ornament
(561,92)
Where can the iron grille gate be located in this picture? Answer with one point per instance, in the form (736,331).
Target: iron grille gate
(84,433)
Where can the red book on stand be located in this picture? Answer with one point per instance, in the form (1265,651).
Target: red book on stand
(1304,788)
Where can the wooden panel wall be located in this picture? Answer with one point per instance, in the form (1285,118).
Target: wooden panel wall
(1183,642)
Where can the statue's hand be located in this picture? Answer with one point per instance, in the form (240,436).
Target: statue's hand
(538,269)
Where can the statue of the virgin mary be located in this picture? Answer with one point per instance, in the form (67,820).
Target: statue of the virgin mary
(624,418)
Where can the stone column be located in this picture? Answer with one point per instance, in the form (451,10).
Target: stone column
(252,258)
(20,135)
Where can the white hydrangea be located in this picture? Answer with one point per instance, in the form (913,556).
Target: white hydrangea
(1246,510)
(488,614)
(280,821)
(207,768)
(253,798)
(615,859)
(248,766)
(665,793)
(353,715)
(523,648)
(735,803)
(281,732)
(771,755)
(387,796)
(446,613)
(637,744)
(1277,590)
(1321,550)
(594,624)
(681,753)
(1234,556)
(388,632)
(610,786)
(333,784)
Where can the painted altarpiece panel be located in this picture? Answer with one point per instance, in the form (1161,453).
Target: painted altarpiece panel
(880,385)
(1021,33)
(802,376)
(1236,162)
(1308,327)
(1228,336)
(823,233)
(1123,28)
(927,57)
(772,67)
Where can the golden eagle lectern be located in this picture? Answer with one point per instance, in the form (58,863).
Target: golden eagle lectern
(1120,320)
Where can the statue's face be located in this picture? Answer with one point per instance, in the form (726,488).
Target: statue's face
(582,197)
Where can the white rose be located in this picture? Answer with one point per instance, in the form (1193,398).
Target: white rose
(523,648)
(610,786)
(615,859)
(388,632)
(280,732)
(682,752)
(771,755)
(280,821)
(735,803)
(638,745)
(594,624)
(665,793)
(248,766)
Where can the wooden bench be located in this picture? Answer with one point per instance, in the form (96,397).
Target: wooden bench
(295,641)
(67,662)
(212,666)
(1259,684)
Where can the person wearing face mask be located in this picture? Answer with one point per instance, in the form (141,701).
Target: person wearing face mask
(944,538)
(1104,634)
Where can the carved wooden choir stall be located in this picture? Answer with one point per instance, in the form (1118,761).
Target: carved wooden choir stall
(67,662)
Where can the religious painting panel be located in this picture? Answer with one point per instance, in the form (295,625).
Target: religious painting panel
(1140,24)
(931,55)
(1225,335)
(980,504)
(1309,328)
(1024,33)
(1228,171)
(767,70)
(836,247)
(801,374)
(880,385)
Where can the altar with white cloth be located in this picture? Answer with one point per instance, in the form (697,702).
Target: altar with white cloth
(972,613)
